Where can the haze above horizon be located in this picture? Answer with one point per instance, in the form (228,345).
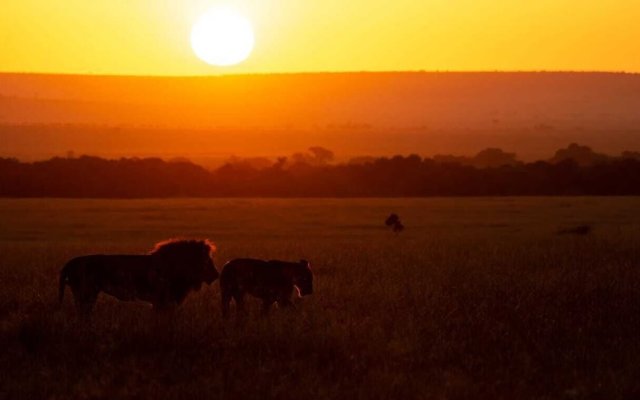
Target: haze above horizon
(148,37)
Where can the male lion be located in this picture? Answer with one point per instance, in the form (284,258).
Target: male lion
(164,277)
(272,281)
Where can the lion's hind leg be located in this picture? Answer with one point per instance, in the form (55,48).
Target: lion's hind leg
(226,300)
(84,302)
(229,293)
(81,275)
(239,299)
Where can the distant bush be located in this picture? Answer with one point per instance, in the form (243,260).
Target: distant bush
(491,173)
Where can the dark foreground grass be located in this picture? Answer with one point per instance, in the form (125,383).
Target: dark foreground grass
(477,299)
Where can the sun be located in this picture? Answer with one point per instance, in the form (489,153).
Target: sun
(222,36)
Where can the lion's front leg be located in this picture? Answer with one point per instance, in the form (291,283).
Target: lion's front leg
(266,305)
(286,303)
(284,299)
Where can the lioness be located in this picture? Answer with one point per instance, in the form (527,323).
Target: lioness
(272,281)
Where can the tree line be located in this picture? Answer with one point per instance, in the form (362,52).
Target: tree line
(576,170)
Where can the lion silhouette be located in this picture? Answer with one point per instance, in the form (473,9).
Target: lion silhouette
(272,281)
(164,277)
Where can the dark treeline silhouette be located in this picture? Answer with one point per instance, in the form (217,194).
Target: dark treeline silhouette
(576,170)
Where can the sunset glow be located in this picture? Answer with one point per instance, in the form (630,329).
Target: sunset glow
(148,37)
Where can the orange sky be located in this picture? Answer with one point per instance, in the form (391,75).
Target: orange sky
(151,37)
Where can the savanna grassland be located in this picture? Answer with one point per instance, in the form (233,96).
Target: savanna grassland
(477,298)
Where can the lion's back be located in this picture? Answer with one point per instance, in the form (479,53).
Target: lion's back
(240,269)
(83,267)
(253,275)
(126,272)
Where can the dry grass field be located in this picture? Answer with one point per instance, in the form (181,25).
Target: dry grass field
(477,298)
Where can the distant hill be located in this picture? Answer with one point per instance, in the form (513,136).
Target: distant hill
(354,113)
(437,100)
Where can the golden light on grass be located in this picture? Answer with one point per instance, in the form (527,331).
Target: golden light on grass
(222,36)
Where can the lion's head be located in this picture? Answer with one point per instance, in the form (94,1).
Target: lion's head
(186,264)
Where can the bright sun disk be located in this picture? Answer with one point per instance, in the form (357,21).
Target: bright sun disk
(222,37)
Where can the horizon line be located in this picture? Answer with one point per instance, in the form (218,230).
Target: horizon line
(308,73)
